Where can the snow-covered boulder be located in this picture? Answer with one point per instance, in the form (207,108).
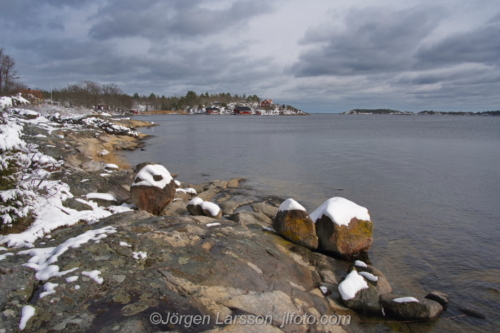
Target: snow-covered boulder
(343,227)
(358,294)
(194,206)
(152,189)
(410,308)
(293,223)
(211,210)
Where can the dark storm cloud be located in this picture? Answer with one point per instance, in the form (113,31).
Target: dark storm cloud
(481,45)
(162,19)
(374,40)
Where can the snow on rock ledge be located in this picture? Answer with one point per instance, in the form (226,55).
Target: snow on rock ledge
(341,211)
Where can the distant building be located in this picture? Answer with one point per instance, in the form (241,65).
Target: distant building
(242,110)
(102,107)
(212,110)
(266,103)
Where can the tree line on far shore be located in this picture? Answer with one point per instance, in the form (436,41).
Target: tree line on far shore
(91,94)
(425,112)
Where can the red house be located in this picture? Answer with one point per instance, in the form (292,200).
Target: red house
(266,103)
(242,110)
(212,110)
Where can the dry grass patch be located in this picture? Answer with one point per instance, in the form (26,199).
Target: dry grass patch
(117,159)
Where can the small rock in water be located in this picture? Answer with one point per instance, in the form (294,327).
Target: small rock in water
(472,312)
(439,297)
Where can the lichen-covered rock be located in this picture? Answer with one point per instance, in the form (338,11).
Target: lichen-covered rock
(293,223)
(410,308)
(153,189)
(343,228)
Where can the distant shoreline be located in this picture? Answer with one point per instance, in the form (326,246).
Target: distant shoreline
(421,113)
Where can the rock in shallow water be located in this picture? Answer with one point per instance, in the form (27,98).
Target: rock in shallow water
(410,308)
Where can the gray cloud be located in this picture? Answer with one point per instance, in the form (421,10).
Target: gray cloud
(21,14)
(178,18)
(374,40)
(409,59)
(481,45)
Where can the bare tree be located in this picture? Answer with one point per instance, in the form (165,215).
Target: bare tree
(7,72)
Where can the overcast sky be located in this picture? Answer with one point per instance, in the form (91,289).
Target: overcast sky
(318,55)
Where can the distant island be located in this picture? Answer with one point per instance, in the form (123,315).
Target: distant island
(422,113)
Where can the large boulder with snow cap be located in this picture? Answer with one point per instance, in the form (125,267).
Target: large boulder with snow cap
(343,227)
(153,189)
(293,223)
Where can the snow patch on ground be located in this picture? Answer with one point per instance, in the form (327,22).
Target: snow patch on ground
(3,256)
(324,290)
(27,312)
(94,275)
(188,190)
(70,279)
(139,255)
(49,288)
(101,196)
(42,259)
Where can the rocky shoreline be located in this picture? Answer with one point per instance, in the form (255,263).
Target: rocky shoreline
(131,271)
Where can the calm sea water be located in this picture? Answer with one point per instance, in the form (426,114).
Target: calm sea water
(431,183)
